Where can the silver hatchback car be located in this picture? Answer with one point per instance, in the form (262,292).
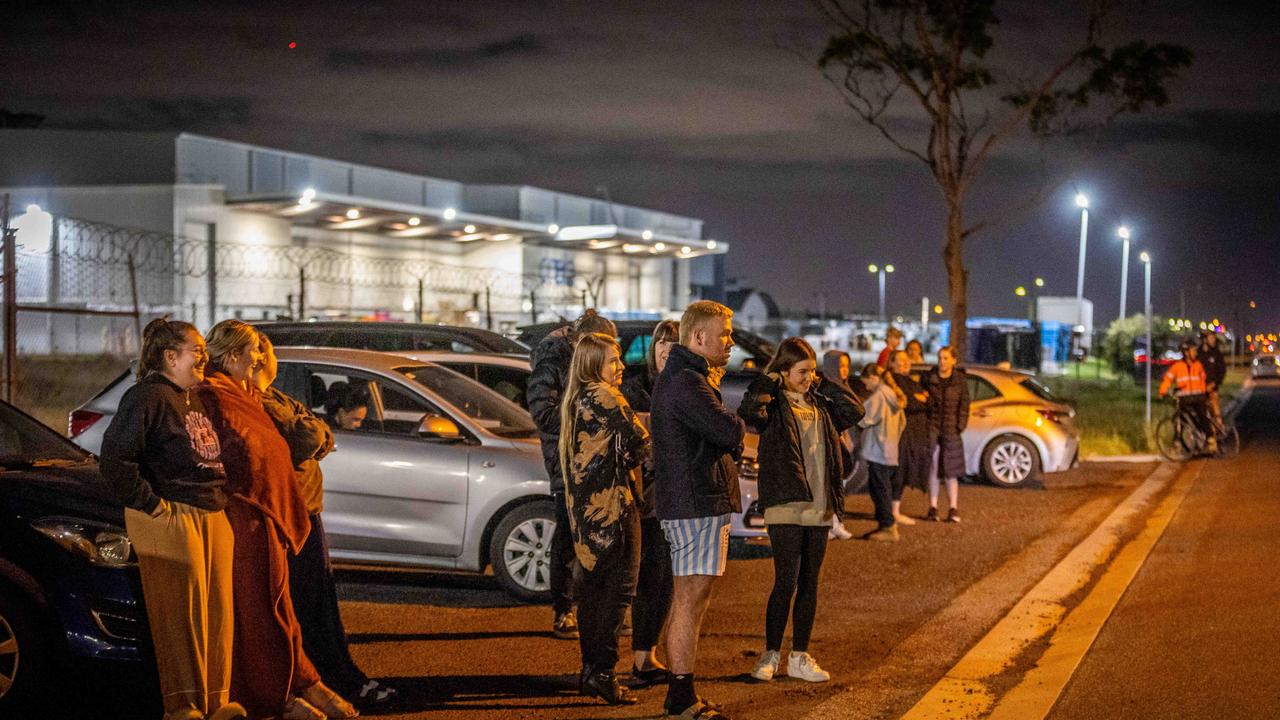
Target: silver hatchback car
(443,472)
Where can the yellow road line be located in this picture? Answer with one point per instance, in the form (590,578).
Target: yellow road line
(965,692)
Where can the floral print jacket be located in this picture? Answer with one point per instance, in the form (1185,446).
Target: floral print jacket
(601,487)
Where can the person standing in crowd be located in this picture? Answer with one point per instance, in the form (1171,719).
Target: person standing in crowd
(1215,371)
(882,427)
(915,447)
(697,443)
(892,341)
(311,582)
(948,418)
(915,351)
(271,673)
(601,444)
(547,379)
(653,589)
(163,461)
(836,368)
(801,485)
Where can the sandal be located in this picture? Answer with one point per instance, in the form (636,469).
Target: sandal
(299,709)
(699,711)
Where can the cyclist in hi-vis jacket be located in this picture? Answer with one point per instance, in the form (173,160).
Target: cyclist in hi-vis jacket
(1187,377)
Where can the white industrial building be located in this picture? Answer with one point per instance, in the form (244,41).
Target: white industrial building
(221,229)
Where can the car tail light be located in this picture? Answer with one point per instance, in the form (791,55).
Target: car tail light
(80,420)
(1052,416)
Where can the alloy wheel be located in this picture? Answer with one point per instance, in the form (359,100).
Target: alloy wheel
(9,656)
(1011,463)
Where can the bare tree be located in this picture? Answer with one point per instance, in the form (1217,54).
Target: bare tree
(932,54)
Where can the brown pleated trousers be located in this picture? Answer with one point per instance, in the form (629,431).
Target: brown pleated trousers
(185,557)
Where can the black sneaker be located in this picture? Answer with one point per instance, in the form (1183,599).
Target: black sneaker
(641,679)
(932,516)
(953,516)
(605,685)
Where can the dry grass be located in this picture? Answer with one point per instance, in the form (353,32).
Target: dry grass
(51,386)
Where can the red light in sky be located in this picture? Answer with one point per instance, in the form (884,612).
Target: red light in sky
(293,45)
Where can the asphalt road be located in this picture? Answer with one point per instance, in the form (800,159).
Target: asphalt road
(456,647)
(1197,634)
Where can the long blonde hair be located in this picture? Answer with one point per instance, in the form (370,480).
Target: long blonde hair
(586,367)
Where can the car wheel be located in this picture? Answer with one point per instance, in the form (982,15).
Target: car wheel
(1010,461)
(520,550)
(23,653)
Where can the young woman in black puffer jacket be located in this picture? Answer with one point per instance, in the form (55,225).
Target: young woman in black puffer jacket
(800,488)
(948,418)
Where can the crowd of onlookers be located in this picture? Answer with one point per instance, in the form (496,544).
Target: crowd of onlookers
(220,475)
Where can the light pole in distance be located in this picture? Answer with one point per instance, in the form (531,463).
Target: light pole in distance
(1124,234)
(1082,202)
(882,270)
(1145,257)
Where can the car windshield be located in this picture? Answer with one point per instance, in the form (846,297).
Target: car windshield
(483,406)
(23,441)
(1036,388)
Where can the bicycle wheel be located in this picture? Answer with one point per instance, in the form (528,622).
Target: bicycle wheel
(1228,442)
(1170,440)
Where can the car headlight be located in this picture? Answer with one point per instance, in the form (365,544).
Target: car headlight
(99,543)
(748,469)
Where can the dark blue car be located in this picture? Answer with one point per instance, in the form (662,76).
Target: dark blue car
(70,594)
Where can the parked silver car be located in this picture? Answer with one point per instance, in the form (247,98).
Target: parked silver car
(1017,428)
(442,473)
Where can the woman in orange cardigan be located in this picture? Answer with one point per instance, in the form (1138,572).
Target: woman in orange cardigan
(270,674)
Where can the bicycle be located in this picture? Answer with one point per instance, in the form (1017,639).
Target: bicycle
(1179,437)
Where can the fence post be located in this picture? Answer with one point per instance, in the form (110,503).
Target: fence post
(137,314)
(302,293)
(488,309)
(10,302)
(421,308)
(212,233)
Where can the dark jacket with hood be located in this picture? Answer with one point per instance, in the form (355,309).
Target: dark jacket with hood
(948,418)
(766,410)
(547,380)
(696,442)
(1215,367)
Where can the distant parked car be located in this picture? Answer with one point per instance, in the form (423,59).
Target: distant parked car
(1266,366)
(389,336)
(443,472)
(70,594)
(750,354)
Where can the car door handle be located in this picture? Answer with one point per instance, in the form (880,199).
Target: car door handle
(488,464)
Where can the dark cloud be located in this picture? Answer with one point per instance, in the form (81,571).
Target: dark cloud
(1222,131)
(156,113)
(439,58)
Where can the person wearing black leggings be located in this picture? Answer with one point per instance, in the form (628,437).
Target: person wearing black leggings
(800,487)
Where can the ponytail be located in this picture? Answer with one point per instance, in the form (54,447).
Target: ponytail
(160,335)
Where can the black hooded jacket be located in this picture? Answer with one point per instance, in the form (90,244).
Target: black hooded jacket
(547,380)
(696,442)
(782,479)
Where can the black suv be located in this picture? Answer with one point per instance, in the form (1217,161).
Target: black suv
(388,336)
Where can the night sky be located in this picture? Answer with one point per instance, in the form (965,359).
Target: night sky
(707,109)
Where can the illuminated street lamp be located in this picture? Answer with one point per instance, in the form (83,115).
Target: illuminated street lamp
(1124,234)
(1145,257)
(1082,202)
(873,269)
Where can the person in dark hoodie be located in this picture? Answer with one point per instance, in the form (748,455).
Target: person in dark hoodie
(697,443)
(653,591)
(801,485)
(835,371)
(162,458)
(548,378)
(948,418)
(311,582)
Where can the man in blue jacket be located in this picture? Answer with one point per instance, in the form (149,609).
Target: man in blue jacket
(696,445)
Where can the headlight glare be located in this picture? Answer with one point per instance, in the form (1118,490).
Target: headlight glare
(99,543)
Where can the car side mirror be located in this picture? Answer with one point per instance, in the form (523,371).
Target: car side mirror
(438,427)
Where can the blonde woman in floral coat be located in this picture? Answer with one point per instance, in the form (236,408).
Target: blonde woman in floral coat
(602,446)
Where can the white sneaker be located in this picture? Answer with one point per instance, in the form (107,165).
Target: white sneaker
(904,520)
(838,532)
(767,667)
(802,666)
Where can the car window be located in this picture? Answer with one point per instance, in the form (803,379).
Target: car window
(636,351)
(462,368)
(509,382)
(439,343)
(24,440)
(481,405)
(741,359)
(391,407)
(1036,388)
(980,389)
(284,337)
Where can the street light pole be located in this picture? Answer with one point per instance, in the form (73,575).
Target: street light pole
(1082,202)
(882,271)
(1124,234)
(1146,300)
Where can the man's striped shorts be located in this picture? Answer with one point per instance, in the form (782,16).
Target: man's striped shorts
(699,546)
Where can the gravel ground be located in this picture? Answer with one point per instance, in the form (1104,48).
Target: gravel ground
(456,647)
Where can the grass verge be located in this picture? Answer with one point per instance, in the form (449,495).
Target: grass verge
(51,386)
